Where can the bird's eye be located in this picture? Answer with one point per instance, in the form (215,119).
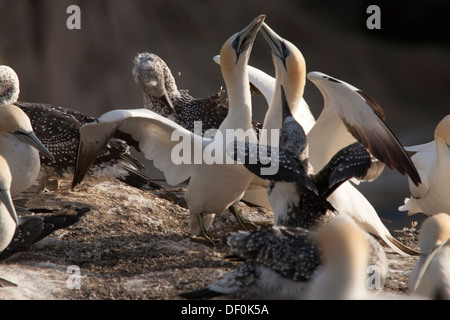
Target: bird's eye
(235,43)
(286,51)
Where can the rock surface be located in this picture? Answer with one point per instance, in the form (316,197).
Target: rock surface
(135,244)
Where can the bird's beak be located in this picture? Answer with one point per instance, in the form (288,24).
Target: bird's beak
(5,198)
(248,35)
(165,98)
(32,140)
(424,264)
(285,106)
(275,42)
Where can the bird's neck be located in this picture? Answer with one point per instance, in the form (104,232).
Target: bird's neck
(240,103)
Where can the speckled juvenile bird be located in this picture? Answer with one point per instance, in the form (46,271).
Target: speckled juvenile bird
(58,130)
(162,96)
(298,197)
(32,228)
(280,263)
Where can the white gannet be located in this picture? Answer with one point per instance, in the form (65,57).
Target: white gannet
(433,162)
(58,130)
(161,95)
(213,186)
(345,252)
(430,277)
(33,227)
(20,147)
(280,263)
(8,215)
(347,110)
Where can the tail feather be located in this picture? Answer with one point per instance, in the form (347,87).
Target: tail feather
(138,180)
(403,248)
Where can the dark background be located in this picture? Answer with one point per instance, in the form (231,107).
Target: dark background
(404,66)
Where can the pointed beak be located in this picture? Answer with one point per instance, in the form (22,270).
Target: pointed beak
(275,42)
(424,264)
(5,198)
(32,140)
(248,35)
(285,106)
(165,98)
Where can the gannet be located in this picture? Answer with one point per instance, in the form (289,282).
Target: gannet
(8,215)
(32,228)
(340,124)
(280,263)
(57,128)
(214,184)
(297,196)
(161,95)
(430,276)
(20,147)
(433,162)
(345,252)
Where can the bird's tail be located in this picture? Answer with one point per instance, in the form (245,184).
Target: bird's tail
(136,175)
(400,247)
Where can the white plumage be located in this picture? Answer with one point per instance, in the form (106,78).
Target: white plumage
(430,276)
(433,162)
(212,187)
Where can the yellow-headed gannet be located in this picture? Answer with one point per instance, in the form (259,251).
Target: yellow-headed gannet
(430,277)
(433,162)
(58,130)
(20,147)
(215,184)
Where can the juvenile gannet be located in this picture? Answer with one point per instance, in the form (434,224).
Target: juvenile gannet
(215,184)
(20,147)
(58,130)
(32,228)
(161,95)
(430,277)
(433,162)
(280,263)
(297,196)
(346,115)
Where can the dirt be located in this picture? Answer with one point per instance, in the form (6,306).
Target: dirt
(135,244)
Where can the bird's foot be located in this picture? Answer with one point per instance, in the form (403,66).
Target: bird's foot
(206,239)
(6,283)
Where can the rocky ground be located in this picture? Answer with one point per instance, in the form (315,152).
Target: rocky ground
(135,244)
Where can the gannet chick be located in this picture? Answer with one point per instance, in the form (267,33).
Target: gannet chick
(32,228)
(215,184)
(432,161)
(345,252)
(324,142)
(58,130)
(20,147)
(430,277)
(280,263)
(162,96)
